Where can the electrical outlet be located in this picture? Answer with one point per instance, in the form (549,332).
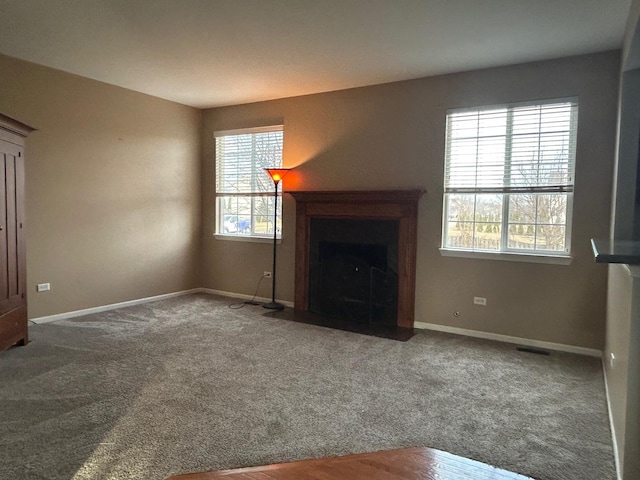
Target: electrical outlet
(267,274)
(43,287)
(480,301)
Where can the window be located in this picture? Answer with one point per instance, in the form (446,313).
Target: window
(244,191)
(509,177)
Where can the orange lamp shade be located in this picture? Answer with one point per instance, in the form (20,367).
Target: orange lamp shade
(277,174)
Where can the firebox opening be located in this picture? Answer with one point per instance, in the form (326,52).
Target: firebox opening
(353,272)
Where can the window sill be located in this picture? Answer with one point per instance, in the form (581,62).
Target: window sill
(509,257)
(239,238)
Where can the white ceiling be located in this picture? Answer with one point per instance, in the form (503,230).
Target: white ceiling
(208,53)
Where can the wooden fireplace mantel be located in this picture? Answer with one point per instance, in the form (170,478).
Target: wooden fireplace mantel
(400,205)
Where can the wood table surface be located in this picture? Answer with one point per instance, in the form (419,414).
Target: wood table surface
(421,463)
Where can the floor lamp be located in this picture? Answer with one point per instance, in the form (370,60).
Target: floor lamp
(276,175)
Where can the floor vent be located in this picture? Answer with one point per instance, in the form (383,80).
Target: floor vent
(537,351)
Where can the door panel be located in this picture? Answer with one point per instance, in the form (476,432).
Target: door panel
(4,285)
(12,244)
(13,302)
(21,244)
(11,238)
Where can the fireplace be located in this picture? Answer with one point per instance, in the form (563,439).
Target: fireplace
(356,255)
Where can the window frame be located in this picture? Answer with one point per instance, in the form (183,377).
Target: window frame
(505,252)
(219,232)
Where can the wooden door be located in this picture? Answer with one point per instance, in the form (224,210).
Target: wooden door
(13,265)
(11,227)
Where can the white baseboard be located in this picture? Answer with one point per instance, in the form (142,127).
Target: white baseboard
(508,339)
(616,452)
(129,303)
(112,306)
(243,296)
(426,326)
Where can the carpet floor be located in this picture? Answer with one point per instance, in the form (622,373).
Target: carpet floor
(187,384)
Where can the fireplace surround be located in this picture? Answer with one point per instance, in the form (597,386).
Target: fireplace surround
(400,206)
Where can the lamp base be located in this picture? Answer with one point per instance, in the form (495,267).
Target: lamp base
(273,306)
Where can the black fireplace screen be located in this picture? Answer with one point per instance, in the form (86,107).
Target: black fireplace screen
(354,281)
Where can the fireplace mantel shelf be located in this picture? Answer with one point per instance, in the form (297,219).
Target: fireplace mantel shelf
(357,196)
(400,205)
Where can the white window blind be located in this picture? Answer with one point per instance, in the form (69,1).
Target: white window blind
(509,177)
(511,149)
(244,191)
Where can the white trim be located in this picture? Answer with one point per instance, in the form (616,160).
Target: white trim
(591,352)
(244,131)
(130,303)
(243,296)
(421,325)
(507,256)
(633,270)
(112,306)
(527,103)
(616,452)
(246,238)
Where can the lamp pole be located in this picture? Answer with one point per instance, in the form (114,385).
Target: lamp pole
(276,174)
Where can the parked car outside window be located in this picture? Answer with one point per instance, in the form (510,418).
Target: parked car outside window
(233,224)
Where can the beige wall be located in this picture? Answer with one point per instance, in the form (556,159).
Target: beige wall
(617,335)
(623,381)
(113,190)
(622,338)
(392,137)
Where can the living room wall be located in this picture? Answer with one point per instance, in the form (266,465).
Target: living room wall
(113,189)
(622,340)
(391,136)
